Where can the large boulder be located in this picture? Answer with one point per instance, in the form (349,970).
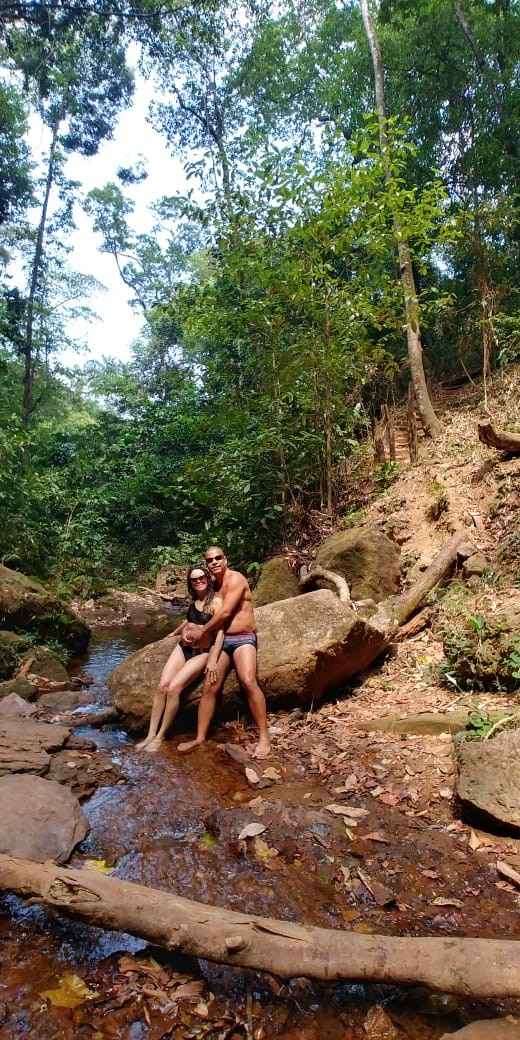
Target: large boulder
(306,646)
(41,661)
(277,581)
(12,647)
(26,605)
(489,776)
(41,819)
(25,745)
(368,560)
(21,687)
(488,1029)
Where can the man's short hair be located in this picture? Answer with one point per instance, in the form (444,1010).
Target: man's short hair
(219,547)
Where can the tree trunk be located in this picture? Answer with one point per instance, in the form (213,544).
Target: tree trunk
(413,329)
(403,606)
(470,967)
(499,439)
(27,347)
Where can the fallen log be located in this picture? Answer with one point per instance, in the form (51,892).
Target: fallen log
(469,967)
(399,608)
(420,621)
(500,439)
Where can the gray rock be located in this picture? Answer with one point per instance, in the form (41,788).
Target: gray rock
(489,776)
(41,819)
(15,705)
(366,558)
(63,700)
(25,745)
(277,581)
(475,565)
(489,1029)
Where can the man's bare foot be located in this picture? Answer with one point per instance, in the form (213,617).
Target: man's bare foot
(188,745)
(263,748)
(154,745)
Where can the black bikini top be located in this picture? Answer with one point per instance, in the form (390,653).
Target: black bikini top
(198,617)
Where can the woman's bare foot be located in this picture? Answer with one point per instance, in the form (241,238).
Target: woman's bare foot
(154,745)
(143,743)
(189,745)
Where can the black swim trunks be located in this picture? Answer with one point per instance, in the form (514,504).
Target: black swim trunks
(232,642)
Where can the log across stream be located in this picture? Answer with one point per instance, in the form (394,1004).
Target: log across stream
(173,827)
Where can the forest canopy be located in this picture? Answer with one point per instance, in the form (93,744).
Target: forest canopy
(351,228)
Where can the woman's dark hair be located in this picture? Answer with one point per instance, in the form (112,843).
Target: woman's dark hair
(193,593)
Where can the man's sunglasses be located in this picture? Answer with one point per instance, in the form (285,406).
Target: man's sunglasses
(213,559)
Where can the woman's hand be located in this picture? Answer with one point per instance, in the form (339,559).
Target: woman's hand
(211,674)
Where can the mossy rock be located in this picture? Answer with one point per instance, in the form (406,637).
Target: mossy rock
(366,558)
(276,582)
(26,606)
(12,646)
(483,648)
(21,687)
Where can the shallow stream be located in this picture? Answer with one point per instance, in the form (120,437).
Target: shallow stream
(171,823)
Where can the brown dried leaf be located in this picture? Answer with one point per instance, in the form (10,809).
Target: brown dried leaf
(189,990)
(378,836)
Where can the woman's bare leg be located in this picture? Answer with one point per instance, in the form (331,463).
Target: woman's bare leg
(173,666)
(207,704)
(191,670)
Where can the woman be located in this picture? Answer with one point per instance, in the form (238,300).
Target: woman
(186,662)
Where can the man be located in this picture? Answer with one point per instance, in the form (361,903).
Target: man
(237,618)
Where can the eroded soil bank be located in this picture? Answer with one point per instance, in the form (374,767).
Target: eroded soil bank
(403,864)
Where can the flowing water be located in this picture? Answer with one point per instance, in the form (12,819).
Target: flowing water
(172,823)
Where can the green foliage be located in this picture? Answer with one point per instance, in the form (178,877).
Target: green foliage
(512,661)
(271,297)
(385,474)
(478,725)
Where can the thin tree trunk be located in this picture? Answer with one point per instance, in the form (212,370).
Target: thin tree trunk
(413,329)
(327,421)
(28,342)
(470,967)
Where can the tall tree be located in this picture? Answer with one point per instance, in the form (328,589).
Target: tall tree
(413,326)
(79,81)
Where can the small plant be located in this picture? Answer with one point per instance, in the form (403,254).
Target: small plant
(477,623)
(353,518)
(386,473)
(441,502)
(478,725)
(513,662)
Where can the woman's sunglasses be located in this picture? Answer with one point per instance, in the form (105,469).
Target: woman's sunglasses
(198,577)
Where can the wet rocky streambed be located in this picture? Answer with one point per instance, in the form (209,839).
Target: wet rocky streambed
(173,823)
